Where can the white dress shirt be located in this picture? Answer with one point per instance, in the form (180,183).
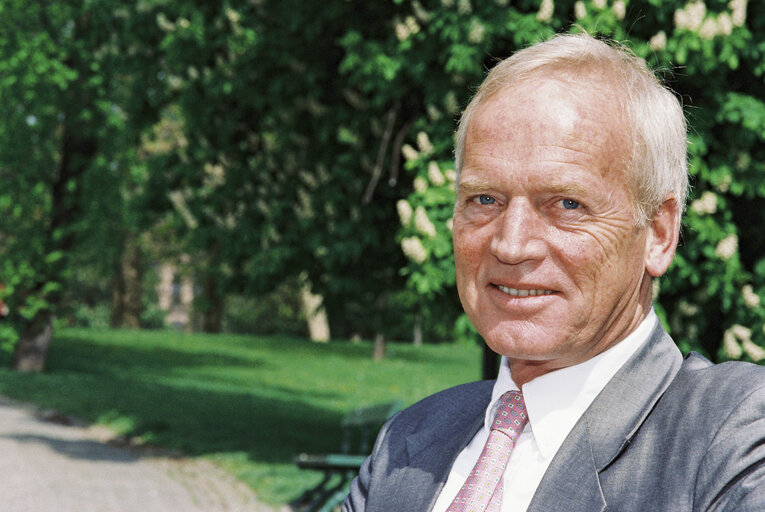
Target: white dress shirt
(554,401)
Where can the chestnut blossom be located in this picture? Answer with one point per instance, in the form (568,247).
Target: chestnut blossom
(738,12)
(434,174)
(706,204)
(422,223)
(413,249)
(404,211)
(659,41)
(727,247)
(620,9)
(725,24)
(751,299)
(409,152)
(546,10)
(477,32)
(708,29)
(580,11)
(423,142)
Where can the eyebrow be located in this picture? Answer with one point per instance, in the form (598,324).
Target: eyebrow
(476,185)
(473,186)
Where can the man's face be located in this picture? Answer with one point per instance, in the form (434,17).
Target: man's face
(550,262)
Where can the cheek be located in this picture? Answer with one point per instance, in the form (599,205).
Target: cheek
(469,247)
(602,264)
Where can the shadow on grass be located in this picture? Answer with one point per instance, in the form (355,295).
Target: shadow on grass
(84,355)
(197,422)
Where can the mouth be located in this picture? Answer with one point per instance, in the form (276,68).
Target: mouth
(523,292)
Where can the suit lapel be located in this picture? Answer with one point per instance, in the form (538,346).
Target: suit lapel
(571,482)
(432,449)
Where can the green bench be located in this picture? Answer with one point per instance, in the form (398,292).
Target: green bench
(360,429)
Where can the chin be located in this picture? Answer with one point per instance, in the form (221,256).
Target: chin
(523,343)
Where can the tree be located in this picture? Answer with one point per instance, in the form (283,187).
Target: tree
(68,104)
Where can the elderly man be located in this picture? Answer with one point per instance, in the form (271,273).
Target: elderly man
(571,187)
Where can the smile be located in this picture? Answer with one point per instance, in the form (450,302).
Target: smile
(516,292)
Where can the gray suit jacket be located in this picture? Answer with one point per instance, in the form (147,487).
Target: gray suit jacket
(665,434)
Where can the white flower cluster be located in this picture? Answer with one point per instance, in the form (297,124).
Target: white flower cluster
(404,210)
(580,11)
(232,15)
(687,309)
(164,23)
(451,175)
(694,17)
(423,142)
(413,249)
(600,4)
(659,41)
(420,185)
(409,152)
(464,6)
(408,27)
(751,299)
(738,12)
(422,14)
(620,9)
(215,176)
(450,102)
(423,224)
(546,10)
(738,333)
(691,16)
(434,175)
(476,32)
(706,204)
(450,224)
(727,247)
(447,3)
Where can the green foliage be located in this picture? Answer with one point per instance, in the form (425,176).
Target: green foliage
(437,53)
(76,93)
(236,399)
(273,139)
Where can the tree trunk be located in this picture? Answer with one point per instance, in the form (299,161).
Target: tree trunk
(315,314)
(417,334)
(32,347)
(213,307)
(379,350)
(128,287)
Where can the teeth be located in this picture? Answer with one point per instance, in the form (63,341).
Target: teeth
(515,292)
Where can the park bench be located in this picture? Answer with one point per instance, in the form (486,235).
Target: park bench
(360,428)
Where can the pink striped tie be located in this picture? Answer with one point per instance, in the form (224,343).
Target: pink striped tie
(482,491)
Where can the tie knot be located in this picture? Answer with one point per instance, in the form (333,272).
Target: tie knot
(511,414)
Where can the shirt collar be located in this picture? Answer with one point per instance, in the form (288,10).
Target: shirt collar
(555,401)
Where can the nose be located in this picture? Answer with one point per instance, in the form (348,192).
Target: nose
(518,234)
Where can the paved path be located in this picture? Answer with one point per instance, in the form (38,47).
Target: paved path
(47,466)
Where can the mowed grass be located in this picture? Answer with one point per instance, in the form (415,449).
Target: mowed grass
(250,403)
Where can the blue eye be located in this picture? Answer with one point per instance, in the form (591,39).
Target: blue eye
(484,199)
(570,204)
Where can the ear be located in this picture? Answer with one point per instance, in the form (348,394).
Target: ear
(663,232)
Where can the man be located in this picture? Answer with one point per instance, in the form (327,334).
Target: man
(572,181)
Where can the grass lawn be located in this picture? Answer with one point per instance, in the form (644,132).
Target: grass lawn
(250,403)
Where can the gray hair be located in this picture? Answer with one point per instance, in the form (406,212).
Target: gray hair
(656,166)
